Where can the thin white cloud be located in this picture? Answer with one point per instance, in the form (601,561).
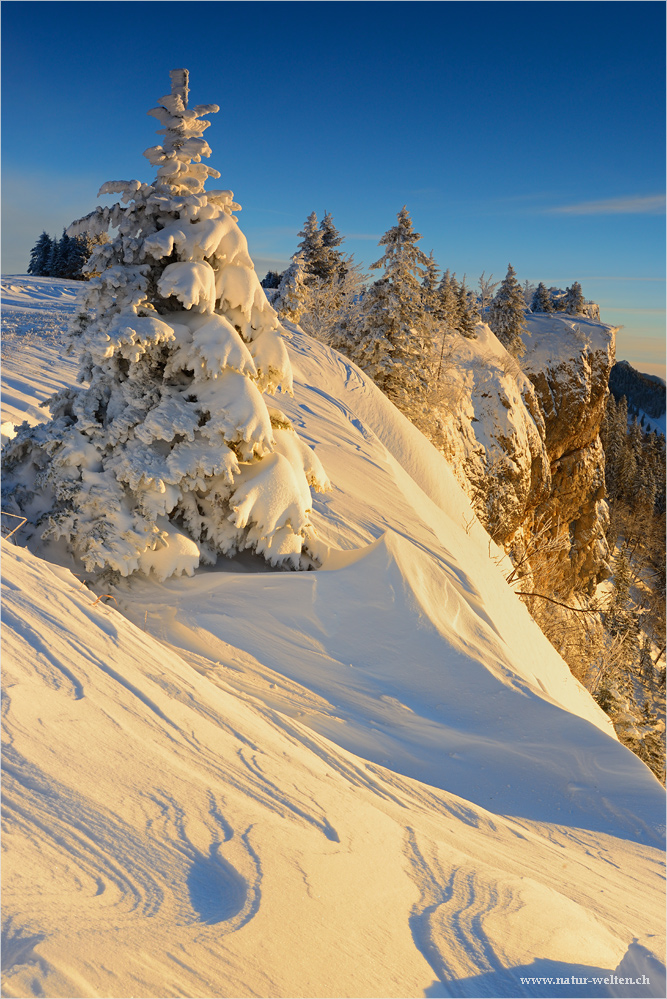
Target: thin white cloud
(635,311)
(595,277)
(653,204)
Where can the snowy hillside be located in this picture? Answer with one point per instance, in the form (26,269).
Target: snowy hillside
(376,779)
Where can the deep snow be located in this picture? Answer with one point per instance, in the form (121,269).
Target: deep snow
(377,779)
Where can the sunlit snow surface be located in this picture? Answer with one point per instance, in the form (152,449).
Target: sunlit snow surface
(377,779)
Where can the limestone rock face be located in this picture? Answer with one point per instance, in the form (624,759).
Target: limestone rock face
(486,419)
(568,360)
(525,444)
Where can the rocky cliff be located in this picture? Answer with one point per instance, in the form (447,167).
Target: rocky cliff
(568,360)
(524,443)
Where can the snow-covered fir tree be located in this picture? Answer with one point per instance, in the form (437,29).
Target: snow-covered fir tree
(467,313)
(506,314)
(541,301)
(311,248)
(331,265)
(487,287)
(393,342)
(331,306)
(448,304)
(171,455)
(40,256)
(557,296)
(292,295)
(430,285)
(529,290)
(574,299)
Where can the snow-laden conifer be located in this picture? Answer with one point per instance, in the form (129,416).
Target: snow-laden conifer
(506,314)
(291,298)
(541,301)
(467,312)
(487,287)
(448,306)
(574,299)
(430,285)
(529,290)
(393,340)
(311,248)
(331,265)
(170,455)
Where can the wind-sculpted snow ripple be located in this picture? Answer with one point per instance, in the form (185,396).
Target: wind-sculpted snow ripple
(217,891)
(449,920)
(110,860)
(284,803)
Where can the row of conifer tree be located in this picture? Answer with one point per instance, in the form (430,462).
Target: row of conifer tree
(395,328)
(61,258)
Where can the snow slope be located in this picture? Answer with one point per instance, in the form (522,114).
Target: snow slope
(377,779)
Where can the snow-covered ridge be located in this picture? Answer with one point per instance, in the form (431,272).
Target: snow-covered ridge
(374,779)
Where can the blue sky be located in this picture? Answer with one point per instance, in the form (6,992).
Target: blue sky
(529,132)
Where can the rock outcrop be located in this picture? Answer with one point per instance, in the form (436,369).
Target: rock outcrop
(524,443)
(568,359)
(487,420)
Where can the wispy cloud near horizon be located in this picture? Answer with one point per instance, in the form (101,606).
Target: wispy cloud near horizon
(653,204)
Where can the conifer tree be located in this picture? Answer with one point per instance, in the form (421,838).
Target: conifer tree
(59,262)
(467,316)
(311,248)
(645,659)
(430,294)
(557,296)
(271,279)
(528,293)
(541,299)
(291,300)
(393,344)
(506,315)
(574,299)
(448,300)
(40,256)
(487,286)
(171,455)
(446,313)
(331,265)
(620,617)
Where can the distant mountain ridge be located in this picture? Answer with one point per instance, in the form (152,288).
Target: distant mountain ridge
(643,392)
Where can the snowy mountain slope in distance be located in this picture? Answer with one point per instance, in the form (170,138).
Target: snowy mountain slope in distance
(377,779)
(35,313)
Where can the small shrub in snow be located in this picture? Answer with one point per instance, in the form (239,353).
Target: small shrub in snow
(170,456)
